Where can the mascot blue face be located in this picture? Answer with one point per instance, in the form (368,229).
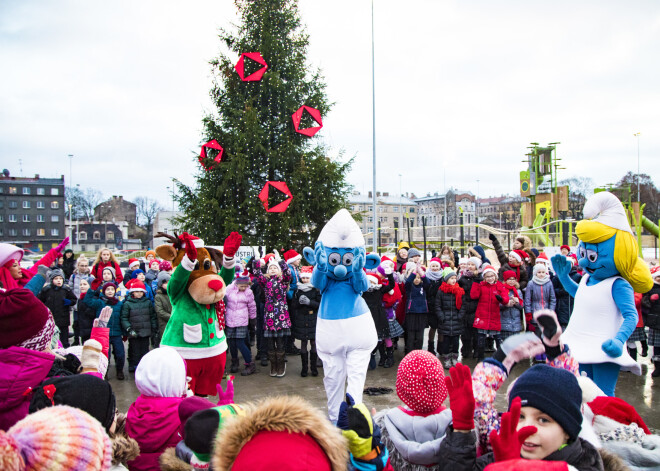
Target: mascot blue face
(598,259)
(340,262)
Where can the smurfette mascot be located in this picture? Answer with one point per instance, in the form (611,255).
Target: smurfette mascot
(345,330)
(604,313)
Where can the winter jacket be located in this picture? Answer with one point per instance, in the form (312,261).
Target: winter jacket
(59,300)
(305,315)
(163,307)
(68,267)
(416,295)
(154,423)
(413,440)
(565,301)
(487,316)
(97,273)
(469,304)
(276,311)
(150,277)
(511,316)
(539,297)
(651,308)
(98,302)
(450,317)
(22,368)
(293,286)
(240,305)
(374,300)
(432,291)
(139,316)
(459,451)
(86,316)
(520,271)
(74,282)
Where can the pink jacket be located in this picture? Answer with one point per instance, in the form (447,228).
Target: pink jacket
(21,369)
(240,306)
(154,423)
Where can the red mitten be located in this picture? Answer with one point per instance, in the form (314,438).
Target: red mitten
(191,250)
(654,297)
(528,317)
(232,243)
(461,397)
(507,444)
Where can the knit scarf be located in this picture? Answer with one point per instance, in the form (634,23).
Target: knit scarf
(109,301)
(304,286)
(457,290)
(433,275)
(540,281)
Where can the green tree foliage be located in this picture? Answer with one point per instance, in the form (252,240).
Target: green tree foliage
(252,121)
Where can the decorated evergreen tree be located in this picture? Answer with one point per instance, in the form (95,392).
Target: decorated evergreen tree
(253,123)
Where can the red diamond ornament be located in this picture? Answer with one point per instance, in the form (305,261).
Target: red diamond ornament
(280,207)
(297,116)
(212,144)
(254,76)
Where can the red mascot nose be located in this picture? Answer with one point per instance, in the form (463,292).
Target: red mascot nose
(215,285)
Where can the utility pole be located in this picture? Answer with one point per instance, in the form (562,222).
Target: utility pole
(638,190)
(373,120)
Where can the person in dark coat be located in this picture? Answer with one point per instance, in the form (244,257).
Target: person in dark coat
(450,311)
(86,313)
(469,337)
(69,264)
(374,299)
(564,300)
(416,307)
(59,298)
(511,262)
(138,319)
(435,276)
(305,306)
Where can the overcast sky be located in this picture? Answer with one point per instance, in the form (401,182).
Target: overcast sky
(461,86)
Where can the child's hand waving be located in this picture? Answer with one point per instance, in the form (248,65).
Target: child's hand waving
(507,444)
(461,397)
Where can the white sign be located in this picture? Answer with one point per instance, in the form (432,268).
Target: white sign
(244,252)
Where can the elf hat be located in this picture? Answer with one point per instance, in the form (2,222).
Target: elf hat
(133,263)
(435,261)
(341,231)
(291,256)
(137,285)
(420,382)
(488,269)
(509,274)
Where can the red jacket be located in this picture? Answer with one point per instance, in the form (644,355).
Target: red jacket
(638,305)
(97,272)
(487,316)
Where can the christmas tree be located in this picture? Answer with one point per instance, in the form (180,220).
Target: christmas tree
(252,122)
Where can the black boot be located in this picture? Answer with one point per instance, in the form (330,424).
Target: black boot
(431,342)
(389,361)
(645,348)
(120,374)
(234,365)
(264,359)
(656,371)
(304,357)
(480,353)
(313,357)
(381,352)
(633,353)
(372,361)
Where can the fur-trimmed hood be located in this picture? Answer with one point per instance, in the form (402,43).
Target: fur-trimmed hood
(170,462)
(279,414)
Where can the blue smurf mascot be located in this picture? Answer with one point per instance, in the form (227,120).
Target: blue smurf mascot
(604,314)
(345,331)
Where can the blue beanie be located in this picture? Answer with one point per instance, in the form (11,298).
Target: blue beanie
(555,392)
(135,273)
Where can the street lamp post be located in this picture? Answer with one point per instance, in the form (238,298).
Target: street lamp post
(70,224)
(373,121)
(638,191)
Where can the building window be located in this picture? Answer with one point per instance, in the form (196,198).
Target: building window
(41,205)
(26,190)
(96,235)
(12,190)
(395,208)
(13,232)
(55,232)
(371,209)
(13,204)
(41,232)
(26,232)
(26,218)
(412,210)
(2,218)
(41,191)
(82,235)
(54,205)
(26,205)
(2,232)
(54,218)
(54,191)
(110,235)
(12,218)
(41,218)
(371,219)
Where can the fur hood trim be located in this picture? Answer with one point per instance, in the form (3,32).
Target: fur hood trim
(612,462)
(282,413)
(169,461)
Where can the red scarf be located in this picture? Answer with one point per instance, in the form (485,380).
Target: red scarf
(457,290)
(220,314)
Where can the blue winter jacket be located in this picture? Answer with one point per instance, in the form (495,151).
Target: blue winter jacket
(416,294)
(511,317)
(93,300)
(539,297)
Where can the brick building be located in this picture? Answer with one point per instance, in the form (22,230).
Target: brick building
(116,209)
(32,212)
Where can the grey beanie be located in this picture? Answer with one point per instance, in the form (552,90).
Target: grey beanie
(163,277)
(414,253)
(54,273)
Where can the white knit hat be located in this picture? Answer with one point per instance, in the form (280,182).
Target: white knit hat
(341,231)
(606,208)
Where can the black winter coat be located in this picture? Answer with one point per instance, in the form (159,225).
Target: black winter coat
(564,300)
(139,315)
(86,316)
(304,316)
(469,304)
(450,319)
(651,309)
(54,298)
(460,452)
(374,300)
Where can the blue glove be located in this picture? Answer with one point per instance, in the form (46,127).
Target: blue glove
(342,418)
(613,347)
(561,265)
(67,302)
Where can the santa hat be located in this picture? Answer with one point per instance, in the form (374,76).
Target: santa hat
(197,242)
(606,209)
(543,258)
(520,255)
(509,274)
(306,271)
(291,256)
(618,411)
(133,262)
(565,247)
(420,382)
(374,279)
(488,269)
(137,285)
(516,255)
(385,261)
(267,258)
(271,260)
(435,261)
(151,264)
(341,231)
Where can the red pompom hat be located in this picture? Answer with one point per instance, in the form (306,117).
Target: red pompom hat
(420,382)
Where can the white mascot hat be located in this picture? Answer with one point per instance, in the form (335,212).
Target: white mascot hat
(341,231)
(606,208)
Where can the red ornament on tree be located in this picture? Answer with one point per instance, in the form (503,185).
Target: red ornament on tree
(280,207)
(314,113)
(254,76)
(212,144)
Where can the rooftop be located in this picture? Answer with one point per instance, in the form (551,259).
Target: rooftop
(367,199)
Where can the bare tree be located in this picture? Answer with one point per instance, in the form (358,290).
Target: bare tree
(82,202)
(579,189)
(147,208)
